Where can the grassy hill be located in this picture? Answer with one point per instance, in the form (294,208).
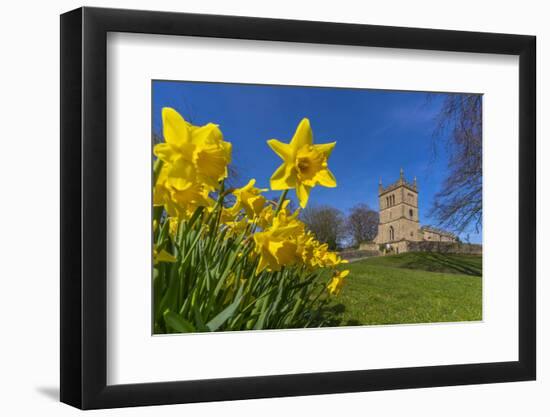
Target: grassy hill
(411,288)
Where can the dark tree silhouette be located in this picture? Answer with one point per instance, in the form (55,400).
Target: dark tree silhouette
(362,224)
(326,223)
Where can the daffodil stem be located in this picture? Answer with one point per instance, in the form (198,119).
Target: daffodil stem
(281,201)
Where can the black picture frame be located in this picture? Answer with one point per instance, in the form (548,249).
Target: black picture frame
(84,207)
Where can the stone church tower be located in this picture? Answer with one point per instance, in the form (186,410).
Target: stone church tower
(398,215)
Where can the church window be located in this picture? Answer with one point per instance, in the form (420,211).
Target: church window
(392,236)
(411,213)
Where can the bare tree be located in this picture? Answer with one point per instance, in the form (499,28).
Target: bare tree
(458,205)
(362,224)
(327,223)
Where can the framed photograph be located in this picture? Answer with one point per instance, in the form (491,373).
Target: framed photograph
(258,208)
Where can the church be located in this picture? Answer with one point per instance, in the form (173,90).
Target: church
(399,225)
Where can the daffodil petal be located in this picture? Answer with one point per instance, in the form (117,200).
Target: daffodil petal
(284,251)
(326,178)
(209,134)
(175,128)
(164,256)
(283,178)
(256,204)
(249,185)
(164,151)
(262,264)
(284,150)
(302,192)
(325,148)
(303,135)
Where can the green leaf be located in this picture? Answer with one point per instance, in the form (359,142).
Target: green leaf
(261,320)
(226,314)
(177,323)
(201,327)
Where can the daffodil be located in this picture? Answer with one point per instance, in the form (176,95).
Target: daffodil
(173,226)
(227,215)
(305,165)
(275,252)
(179,193)
(250,199)
(238,226)
(202,148)
(162,194)
(332,259)
(265,218)
(162,256)
(306,248)
(337,282)
(277,246)
(187,193)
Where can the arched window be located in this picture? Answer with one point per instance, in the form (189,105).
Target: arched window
(392,235)
(411,213)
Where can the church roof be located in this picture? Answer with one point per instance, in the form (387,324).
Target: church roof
(438,231)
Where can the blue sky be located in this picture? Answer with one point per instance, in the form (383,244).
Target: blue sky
(377,132)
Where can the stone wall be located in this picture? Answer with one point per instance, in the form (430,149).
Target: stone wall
(445,247)
(372,246)
(358,254)
(436,236)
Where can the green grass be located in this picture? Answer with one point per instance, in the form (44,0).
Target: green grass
(410,288)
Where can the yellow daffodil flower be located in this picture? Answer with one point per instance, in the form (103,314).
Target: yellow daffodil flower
(178,192)
(265,218)
(227,216)
(335,285)
(162,256)
(305,164)
(187,193)
(249,199)
(332,259)
(173,226)
(238,226)
(200,147)
(276,246)
(306,248)
(274,252)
